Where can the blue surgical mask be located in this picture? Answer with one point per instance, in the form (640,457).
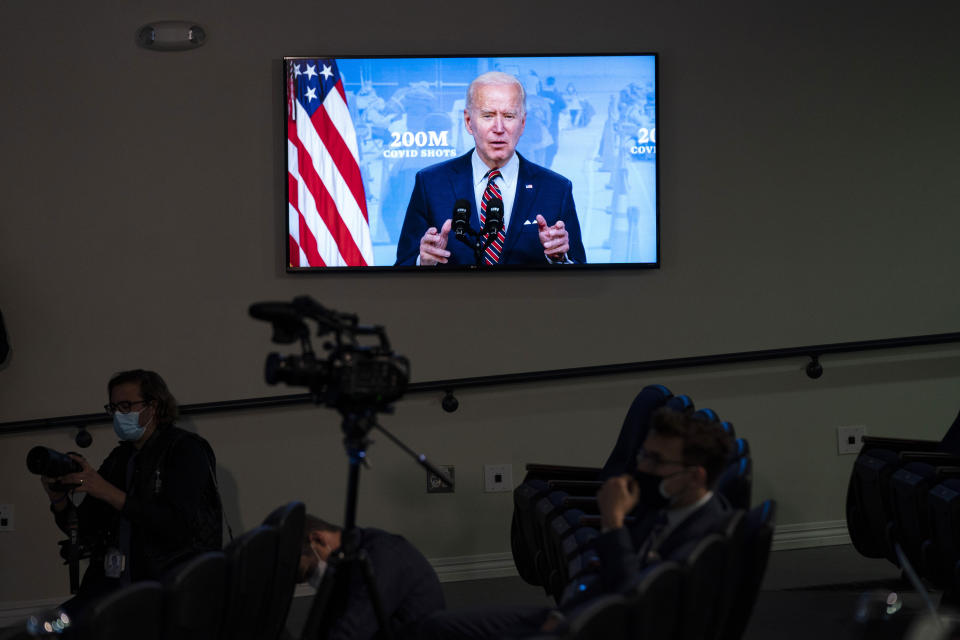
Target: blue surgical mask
(127,426)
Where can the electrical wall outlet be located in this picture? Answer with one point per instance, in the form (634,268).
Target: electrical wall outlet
(6,517)
(436,485)
(497,477)
(850,439)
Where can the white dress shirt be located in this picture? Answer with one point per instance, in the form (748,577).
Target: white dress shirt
(507,182)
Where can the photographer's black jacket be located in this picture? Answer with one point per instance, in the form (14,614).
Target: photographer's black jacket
(172,505)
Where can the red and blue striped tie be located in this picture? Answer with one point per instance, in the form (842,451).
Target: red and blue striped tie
(495,248)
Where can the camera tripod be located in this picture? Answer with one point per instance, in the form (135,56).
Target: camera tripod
(357,381)
(356,425)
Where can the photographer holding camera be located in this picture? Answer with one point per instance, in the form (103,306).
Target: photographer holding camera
(153,502)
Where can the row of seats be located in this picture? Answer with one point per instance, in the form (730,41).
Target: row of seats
(711,595)
(241,593)
(906,493)
(708,597)
(555,510)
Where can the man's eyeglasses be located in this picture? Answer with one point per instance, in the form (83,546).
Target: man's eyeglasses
(124,406)
(655,459)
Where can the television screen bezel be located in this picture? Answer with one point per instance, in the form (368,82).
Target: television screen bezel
(460,268)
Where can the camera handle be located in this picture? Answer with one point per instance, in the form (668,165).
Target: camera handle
(356,427)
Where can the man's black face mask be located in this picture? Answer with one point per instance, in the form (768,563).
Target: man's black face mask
(649,486)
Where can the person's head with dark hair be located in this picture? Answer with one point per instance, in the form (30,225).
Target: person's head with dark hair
(705,443)
(686,451)
(140,403)
(320,539)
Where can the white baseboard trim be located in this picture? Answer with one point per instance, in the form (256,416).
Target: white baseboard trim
(810,534)
(12,613)
(500,565)
(478,567)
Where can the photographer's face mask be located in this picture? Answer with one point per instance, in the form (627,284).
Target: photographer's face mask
(127,426)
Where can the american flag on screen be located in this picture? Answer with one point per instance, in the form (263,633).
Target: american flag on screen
(327,209)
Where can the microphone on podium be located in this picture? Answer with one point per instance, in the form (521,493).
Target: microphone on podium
(494,220)
(461,218)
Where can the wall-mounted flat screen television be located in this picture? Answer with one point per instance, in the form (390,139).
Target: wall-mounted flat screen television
(501,162)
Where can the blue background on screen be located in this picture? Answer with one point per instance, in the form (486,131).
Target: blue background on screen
(591,119)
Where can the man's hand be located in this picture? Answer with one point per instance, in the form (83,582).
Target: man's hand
(433,245)
(90,482)
(616,498)
(555,239)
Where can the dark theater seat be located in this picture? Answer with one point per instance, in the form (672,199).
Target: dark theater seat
(193,598)
(250,570)
(132,611)
(289,521)
(756,537)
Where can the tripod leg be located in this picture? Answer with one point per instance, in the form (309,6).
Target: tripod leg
(321,618)
(386,631)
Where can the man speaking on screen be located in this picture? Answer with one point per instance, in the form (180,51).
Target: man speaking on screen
(540,223)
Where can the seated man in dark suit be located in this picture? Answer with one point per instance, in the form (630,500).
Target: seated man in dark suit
(681,458)
(539,216)
(671,495)
(407,585)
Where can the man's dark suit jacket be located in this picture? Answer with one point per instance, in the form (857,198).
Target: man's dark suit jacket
(618,549)
(539,190)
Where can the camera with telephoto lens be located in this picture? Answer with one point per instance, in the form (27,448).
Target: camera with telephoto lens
(44,461)
(353,376)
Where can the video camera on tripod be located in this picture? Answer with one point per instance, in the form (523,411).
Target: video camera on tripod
(359,381)
(353,376)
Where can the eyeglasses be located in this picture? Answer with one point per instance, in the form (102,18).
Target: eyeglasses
(655,459)
(124,406)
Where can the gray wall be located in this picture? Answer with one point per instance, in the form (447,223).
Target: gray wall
(808,161)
